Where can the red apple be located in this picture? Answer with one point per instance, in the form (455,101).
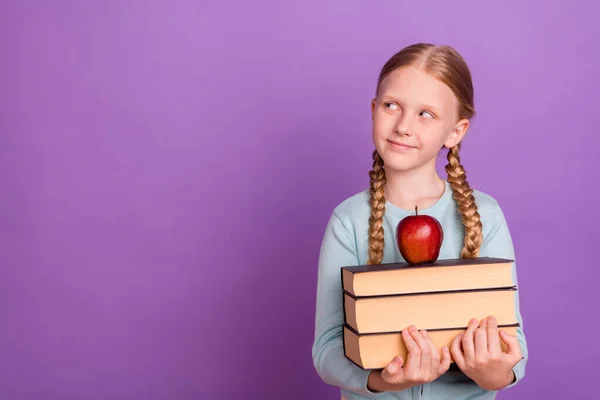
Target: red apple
(419,238)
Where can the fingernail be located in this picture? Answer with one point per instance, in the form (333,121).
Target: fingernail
(413,328)
(424,333)
(392,368)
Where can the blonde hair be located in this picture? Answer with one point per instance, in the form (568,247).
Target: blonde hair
(445,64)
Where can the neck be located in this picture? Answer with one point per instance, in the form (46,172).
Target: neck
(407,189)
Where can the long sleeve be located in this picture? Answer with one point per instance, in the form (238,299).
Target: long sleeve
(338,249)
(497,242)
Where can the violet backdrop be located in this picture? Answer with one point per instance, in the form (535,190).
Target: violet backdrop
(167,170)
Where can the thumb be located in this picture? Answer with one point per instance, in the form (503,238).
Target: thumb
(392,372)
(512,344)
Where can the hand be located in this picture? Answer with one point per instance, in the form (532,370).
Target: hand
(423,362)
(482,358)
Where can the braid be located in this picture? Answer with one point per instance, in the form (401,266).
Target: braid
(463,195)
(376,241)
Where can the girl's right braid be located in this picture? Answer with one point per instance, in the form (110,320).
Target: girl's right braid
(376,241)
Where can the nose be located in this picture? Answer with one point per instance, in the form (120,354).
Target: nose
(403,125)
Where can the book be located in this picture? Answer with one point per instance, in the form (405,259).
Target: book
(442,275)
(379,301)
(376,350)
(430,310)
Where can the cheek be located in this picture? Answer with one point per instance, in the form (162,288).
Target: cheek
(432,135)
(380,128)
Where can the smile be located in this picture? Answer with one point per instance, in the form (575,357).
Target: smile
(400,146)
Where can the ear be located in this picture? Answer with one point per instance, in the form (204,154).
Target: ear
(458,133)
(373,102)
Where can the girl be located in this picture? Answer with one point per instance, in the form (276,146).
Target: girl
(423,103)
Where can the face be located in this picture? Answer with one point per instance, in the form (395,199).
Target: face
(414,115)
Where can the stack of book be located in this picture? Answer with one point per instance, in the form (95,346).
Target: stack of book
(441,297)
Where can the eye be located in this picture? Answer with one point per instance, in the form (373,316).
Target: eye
(427,114)
(391,106)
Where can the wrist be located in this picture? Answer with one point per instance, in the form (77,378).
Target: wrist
(372,381)
(510,379)
(499,384)
(377,384)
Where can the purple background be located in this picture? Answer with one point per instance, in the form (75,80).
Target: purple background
(166,173)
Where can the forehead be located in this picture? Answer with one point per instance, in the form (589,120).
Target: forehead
(412,86)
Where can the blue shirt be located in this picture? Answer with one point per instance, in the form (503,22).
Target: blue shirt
(345,242)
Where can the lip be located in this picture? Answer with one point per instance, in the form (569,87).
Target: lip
(400,145)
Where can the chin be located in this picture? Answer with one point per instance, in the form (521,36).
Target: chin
(400,166)
(403,162)
(393,160)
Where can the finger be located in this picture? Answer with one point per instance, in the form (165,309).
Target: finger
(492,336)
(413,359)
(393,371)
(421,341)
(467,340)
(444,364)
(456,351)
(435,354)
(480,339)
(512,344)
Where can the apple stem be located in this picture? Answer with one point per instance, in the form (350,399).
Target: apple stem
(416,211)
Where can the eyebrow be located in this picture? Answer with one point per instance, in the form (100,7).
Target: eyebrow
(387,97)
